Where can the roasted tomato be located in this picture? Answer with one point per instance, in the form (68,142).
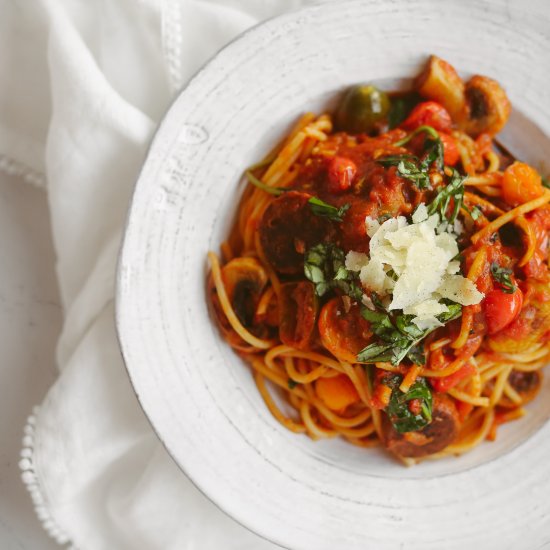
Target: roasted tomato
(445,383)
(288,228)
(441,431)
(429,113)
(297,311)
(341,172)
(343,333)
(337,392)
(362,107)
(520,184)
(530,325)
(450,149)
(501,308)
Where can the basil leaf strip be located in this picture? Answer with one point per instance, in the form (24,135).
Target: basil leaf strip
(324,210)
(399,337)
(432,132)
(261,185)
(324,266)
(502,275)
(453,190)
(398,411)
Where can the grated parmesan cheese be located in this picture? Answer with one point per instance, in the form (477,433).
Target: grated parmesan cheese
(411,266)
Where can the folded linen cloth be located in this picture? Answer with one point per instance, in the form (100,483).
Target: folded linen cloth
(84,86)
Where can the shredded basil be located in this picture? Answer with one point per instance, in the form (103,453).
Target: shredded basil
(402,418)
(324,266)
(399,336)
(453,190)
(502,275)
(261,185)
(475,212)
(412,168)
(395,160)
(545,181)
(291,383)
(324,210)
(432,132)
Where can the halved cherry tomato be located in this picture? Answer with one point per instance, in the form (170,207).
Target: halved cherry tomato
(341,172)
(520,184)
(337,393)
(445,383)
(429,113)
(450,148)
(343,333)
(501,308)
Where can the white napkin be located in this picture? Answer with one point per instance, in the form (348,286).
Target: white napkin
(84,84)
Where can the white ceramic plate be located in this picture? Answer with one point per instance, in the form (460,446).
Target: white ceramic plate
(198,395)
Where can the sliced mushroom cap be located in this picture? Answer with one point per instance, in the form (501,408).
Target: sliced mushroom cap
(244,280)
(441,431)
(527,384)
(440,82)
(487,107)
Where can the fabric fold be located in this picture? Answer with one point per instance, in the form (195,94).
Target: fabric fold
(95,79)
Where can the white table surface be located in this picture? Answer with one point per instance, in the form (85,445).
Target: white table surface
(30,320)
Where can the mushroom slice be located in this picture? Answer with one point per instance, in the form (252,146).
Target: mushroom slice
(440,82)
(244,280)
(487,107)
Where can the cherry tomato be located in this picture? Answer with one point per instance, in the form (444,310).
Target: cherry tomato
(450,148)
(445,383)
(429,113)
(343,333)
(501,308)
(337,392)
(341,172)
(520,184)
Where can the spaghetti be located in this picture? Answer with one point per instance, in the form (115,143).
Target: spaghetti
(336,346)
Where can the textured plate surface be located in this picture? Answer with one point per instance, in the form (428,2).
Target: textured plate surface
(198,395)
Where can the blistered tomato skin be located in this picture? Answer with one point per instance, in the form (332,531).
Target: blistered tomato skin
(450,149)
(341,173)
(429,113)
(520,184)
(501,309)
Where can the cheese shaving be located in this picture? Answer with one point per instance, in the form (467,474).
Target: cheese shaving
(411,266)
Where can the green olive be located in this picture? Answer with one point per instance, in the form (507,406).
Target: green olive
(362,107)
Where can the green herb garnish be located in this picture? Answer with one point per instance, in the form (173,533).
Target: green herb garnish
(324,266)
(545,181)
(324,210)
(402,418)
(261,185)
(399,336)
(432,132)
(453,190)
(475,212)
(502,275)
(409,166)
